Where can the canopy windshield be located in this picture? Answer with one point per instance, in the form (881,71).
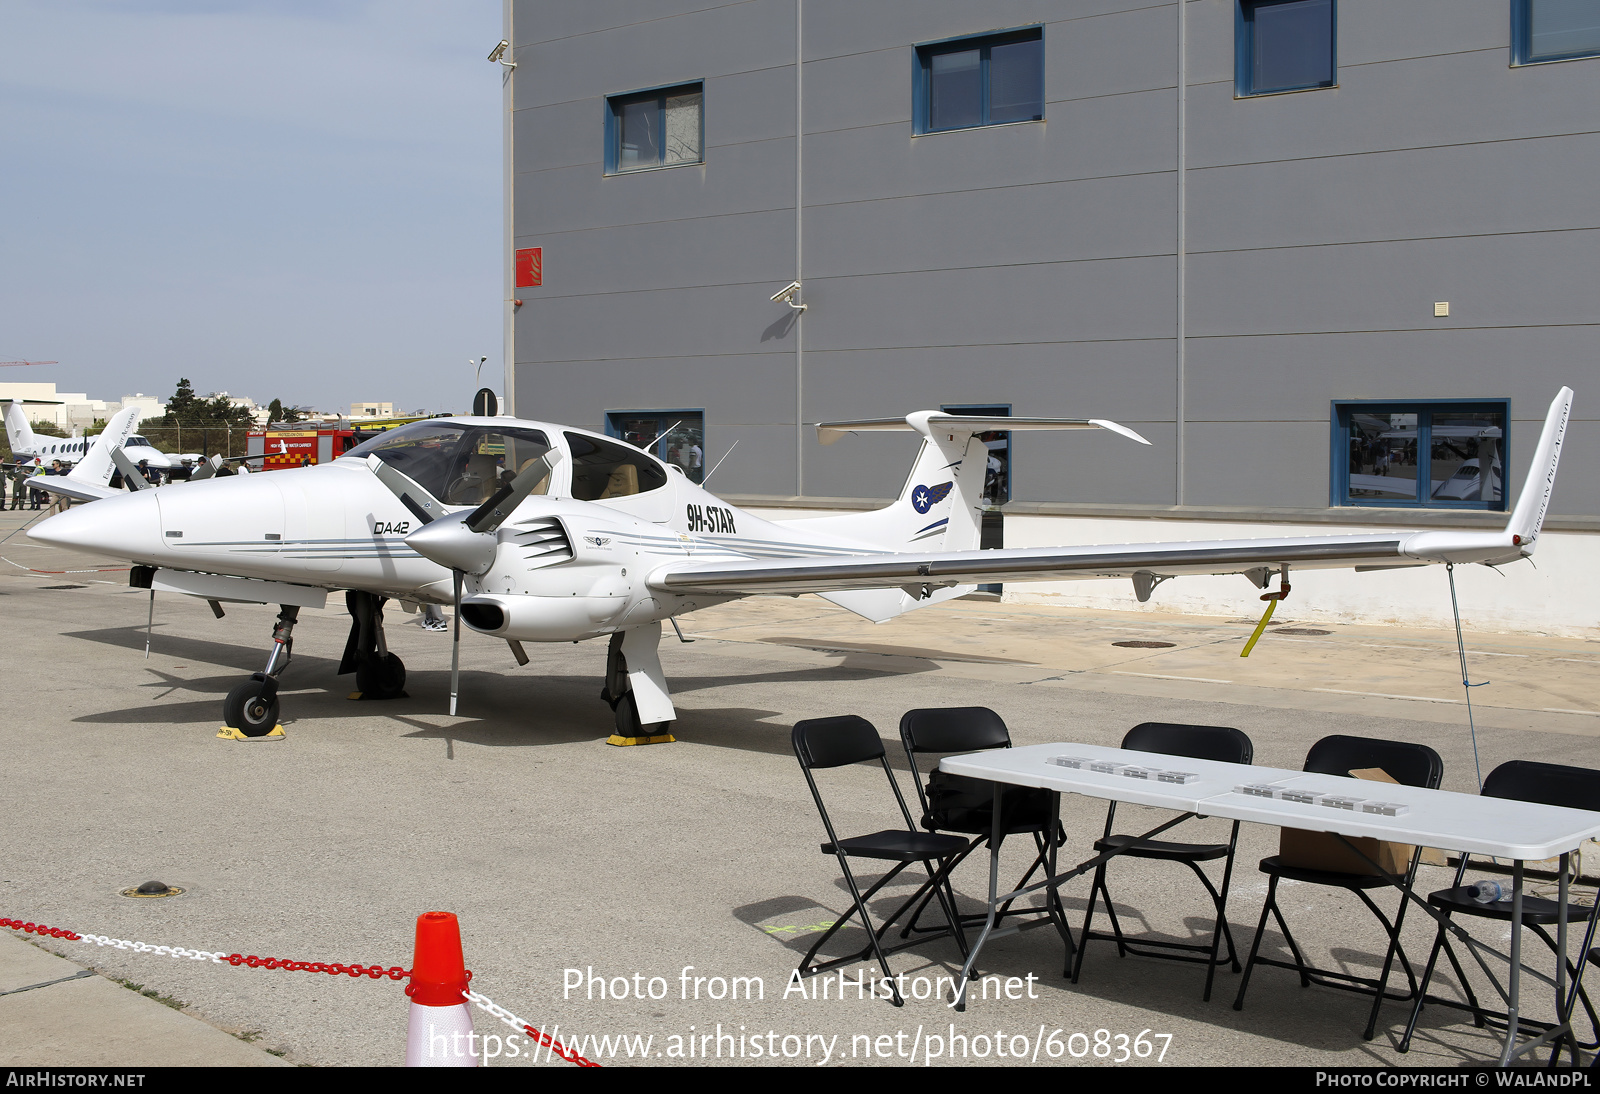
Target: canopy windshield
(458,464)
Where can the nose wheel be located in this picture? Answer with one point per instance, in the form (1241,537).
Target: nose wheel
(252,707)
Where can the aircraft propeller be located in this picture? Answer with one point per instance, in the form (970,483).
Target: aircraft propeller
(465,543)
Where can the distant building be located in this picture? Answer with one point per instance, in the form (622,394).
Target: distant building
(372,410)
(68,410)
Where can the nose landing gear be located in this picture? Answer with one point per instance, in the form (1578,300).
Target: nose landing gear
(252,707)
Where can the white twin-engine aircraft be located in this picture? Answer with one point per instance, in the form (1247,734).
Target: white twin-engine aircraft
(540,532)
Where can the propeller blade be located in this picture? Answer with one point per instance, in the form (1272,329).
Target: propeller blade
(489,516)
(423,505)
(455,646)
(132,478)
(207,468)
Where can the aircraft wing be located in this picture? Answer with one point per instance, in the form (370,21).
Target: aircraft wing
(812,575)
(72,488)
(1144,562)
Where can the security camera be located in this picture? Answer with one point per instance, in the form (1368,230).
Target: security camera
(787,295)
(499,51)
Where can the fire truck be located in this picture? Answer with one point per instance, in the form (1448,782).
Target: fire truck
(290,447)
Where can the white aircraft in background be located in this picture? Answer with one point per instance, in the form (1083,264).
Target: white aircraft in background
(90,477)
(541,532)
(25,442)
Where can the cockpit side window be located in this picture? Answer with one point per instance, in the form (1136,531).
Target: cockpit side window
(605,469)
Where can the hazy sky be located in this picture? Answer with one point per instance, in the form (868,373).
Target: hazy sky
(295,199)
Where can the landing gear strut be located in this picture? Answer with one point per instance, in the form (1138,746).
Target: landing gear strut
(638,693)
(379,673)
(252,707)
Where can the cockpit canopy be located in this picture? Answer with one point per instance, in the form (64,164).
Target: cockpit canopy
(463,464)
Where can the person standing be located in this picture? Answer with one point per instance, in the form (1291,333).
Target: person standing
(19,476)
(697,459)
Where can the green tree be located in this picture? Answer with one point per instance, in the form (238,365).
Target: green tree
(187,408)
(181,407)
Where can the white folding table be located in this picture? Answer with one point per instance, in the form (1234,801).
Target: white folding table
(1499,827)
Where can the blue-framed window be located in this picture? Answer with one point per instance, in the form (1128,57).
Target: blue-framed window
(997,473)
(1554,30)
(677,437)
(662,127)
(1284,45)
(1435,453)
(993,79)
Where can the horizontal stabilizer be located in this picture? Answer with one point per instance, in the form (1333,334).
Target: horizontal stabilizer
(926,422)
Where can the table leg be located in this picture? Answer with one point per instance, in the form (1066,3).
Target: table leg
(1561,962)
(1515,985)
(1053,893)
(995,833)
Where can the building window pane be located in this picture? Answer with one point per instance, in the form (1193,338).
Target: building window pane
(1556,30)
(682,113)
(955,94)
(1016,82)
(654,129)
(991,80)
(1445,455)
(1285,45)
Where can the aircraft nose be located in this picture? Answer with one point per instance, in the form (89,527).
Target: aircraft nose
(127,527)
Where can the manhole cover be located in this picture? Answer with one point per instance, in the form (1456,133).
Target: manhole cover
(1299,630)
(1143,644)
(60,587)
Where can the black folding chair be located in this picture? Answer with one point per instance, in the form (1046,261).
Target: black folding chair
(1526,781)
(1405,762)
(958,803)
(834,742)
(1197,742)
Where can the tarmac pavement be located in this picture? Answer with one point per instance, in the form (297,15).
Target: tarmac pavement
(569,860)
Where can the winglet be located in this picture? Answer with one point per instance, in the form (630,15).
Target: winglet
(1528,516)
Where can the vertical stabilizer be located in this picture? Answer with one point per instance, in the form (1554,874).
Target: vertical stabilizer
(19,434)
(96,466)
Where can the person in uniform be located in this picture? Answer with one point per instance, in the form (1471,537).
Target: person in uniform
(18,475)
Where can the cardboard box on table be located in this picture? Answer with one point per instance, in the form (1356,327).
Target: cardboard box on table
(1326,851)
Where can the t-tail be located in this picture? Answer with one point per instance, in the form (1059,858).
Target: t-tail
(940,507)
(90,477)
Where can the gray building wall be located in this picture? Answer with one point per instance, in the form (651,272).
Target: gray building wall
(1037,264)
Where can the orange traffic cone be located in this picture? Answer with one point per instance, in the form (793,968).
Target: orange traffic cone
(441,1021)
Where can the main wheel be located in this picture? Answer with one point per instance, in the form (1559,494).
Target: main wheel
(626,717)
(248,710)
(381,678)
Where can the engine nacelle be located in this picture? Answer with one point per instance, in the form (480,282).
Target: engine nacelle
(542,618)
(564,570)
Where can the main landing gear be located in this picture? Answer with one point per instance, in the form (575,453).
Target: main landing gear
(637,695)
(379,673)
(252,707)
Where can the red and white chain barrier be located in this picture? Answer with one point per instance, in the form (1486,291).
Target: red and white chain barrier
(425,997)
